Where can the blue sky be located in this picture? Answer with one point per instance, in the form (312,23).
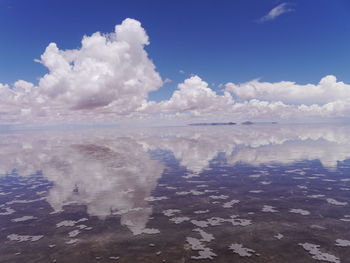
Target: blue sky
(220,41)
(207,60)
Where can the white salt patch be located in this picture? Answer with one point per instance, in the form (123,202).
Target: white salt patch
(19,238)
(211,191)
(150,231)
(206,237)
(68,223)
(179,220)
(317,254)
(195,243)
(182,193)
(73,233)
(335,202)
(342,243)
(125,211)
(293,171)
(315,196)
(8,211)
(239,221)
(201,211)
(300,211)
(171,212)
(56,212)
(317,227)
(128,191)
(152,198)
(72,241)
(190,176)
(269,209)
(200,223)
(25,201)
(23,218)
(242,251)
(218,197)
(279,236)
(230,204)
(193,192)
(204,252)
(345,180)
(216,221)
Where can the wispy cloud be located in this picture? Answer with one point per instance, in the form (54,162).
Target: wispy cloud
(276,12)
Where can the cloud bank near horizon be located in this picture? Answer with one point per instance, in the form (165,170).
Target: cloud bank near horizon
(109,77)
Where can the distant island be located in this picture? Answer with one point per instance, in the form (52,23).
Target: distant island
(247,123)
(212,123)
(228,123)
(250,122)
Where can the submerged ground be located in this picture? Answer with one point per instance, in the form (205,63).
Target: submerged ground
(261,193)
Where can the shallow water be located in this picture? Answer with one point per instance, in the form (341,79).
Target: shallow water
(258,193)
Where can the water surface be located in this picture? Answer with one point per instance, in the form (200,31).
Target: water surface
(259,193)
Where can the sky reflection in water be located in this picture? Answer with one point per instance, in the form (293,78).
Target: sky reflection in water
(261,193)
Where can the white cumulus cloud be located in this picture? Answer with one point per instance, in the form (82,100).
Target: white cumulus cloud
(326,91)
(194,96)
(106,71)
(110,72)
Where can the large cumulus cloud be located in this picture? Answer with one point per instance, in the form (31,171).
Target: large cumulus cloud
(110,73)
(105,72)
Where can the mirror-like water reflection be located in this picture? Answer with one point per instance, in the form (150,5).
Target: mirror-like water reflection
(260,193)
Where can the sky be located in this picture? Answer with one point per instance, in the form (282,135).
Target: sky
(174,60)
